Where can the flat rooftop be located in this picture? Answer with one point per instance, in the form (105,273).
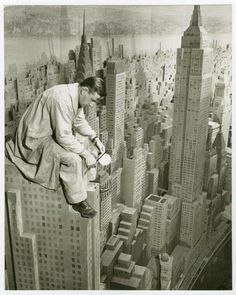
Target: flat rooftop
(156,198)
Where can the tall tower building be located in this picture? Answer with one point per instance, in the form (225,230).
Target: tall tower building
(158,225)
(190,121)
(210,154)
(191,108)
(105,206)
(130,102)
(134,170)
(49,246)
(91,116)
(115,103)
(116,186)
(222,107)
(220,147)
(103,133)
(166,263)
(95,50)
(84,67)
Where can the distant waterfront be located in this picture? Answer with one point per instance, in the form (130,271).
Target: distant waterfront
(20,50)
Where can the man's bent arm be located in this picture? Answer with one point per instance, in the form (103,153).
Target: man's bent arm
(82,126)
(61,119)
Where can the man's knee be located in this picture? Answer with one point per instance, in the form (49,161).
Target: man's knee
(72,159)
(76,160)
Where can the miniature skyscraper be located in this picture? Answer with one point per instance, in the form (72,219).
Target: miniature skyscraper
(84,67)
(190,121)
(115,103)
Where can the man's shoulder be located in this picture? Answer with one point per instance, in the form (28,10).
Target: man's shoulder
(63,87)
(62,91)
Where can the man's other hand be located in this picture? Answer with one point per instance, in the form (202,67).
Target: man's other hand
(100,145)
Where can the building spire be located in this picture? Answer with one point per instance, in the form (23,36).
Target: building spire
(84,23)
(196,19)
(84,65)
(195,36)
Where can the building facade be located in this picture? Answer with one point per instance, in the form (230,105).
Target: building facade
(115,105)
(50,246)
(193,88)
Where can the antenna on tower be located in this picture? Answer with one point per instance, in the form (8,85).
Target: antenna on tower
(84,22)
(196,19)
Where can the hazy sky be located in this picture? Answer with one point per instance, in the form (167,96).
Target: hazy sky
(92,11)
(147,11)
(216,10)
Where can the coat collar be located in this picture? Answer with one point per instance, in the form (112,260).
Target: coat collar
(74,93)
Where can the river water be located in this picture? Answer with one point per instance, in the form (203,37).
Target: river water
(217,275)
(20,50)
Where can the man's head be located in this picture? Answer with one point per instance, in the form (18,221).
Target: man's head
(91,90)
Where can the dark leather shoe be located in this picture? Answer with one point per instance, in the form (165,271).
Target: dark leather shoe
(84,209)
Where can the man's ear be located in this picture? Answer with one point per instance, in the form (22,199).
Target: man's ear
(85,89)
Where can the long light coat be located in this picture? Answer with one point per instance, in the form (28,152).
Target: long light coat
(50,120)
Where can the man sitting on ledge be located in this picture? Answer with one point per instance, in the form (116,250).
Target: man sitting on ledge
(45,148)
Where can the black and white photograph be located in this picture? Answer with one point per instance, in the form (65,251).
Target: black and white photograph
(117,148)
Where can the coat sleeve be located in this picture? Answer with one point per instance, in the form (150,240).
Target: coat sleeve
(81,125)
(61,119)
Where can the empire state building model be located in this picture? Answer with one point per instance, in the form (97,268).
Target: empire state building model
(193,88)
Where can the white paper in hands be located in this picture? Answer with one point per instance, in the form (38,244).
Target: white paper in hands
(104,159)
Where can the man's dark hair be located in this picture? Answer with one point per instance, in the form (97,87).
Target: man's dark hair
(95,84)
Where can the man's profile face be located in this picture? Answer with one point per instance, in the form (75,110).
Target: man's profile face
(87,98)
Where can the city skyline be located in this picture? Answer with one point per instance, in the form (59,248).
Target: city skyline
(127,15)
(164,203)
(30,29)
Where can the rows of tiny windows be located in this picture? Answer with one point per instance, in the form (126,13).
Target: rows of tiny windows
(50,282)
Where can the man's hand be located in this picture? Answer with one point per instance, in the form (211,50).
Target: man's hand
(89,159)
(100,145)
